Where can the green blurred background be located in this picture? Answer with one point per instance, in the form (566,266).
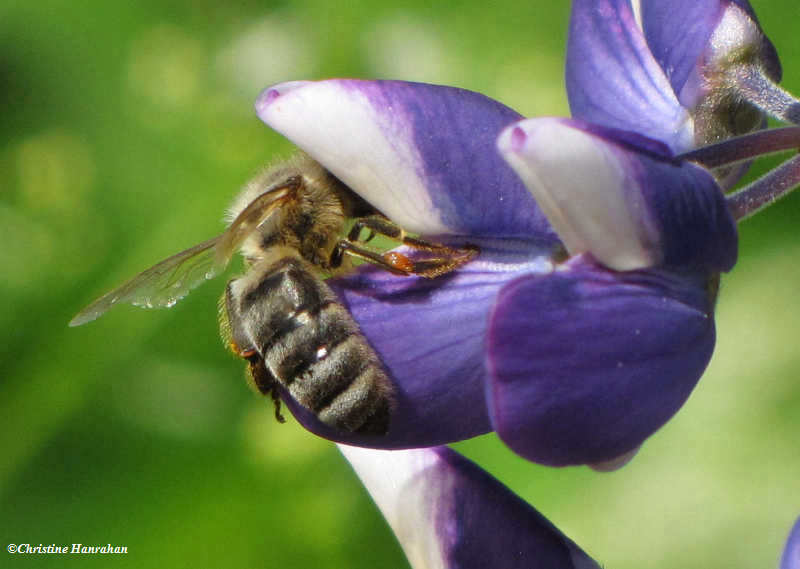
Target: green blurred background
(126,129)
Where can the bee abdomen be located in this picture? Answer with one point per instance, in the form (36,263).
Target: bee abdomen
(330,369)
(313,347)
(364,406)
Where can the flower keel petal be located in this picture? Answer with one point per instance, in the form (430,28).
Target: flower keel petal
(585,364)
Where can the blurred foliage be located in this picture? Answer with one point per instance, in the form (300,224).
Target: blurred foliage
(126,128)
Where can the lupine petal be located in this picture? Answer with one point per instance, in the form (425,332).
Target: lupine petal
(695,23)
(691,21)
(586,363)
(422,154)
(613,79)
(621,197)
(430,336)
(791,553)
(614,463)
(585,192)
(448,513)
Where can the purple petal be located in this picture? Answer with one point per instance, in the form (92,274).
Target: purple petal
(791,553)
(697,227)
(430,335)
(691,21)
(618,196)
(448,512)
(422,154)
(614,463)
(587,363)
(711,33)
(613,79)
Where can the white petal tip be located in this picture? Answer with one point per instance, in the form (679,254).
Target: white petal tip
(517,139)
(268,96)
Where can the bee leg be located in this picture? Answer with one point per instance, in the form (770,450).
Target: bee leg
(433,267)
(377,224)
(396,263)
(354,236)
(276,400)
(336,257)
(236,338)
(380,225)
(444,259)
(265,382)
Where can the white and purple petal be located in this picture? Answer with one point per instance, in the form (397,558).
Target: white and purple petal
(423,155)
(448,513)
(621,196)
(586,363)
(613,79)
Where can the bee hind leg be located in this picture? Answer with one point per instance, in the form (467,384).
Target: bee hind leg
(266,383)
(235,336)
(276,401)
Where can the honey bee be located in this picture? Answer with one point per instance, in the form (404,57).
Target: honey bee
(289,224)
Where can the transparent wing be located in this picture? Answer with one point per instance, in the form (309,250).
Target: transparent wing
(161,285)
(166,283)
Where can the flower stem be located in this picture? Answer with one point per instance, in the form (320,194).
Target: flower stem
(755,86)
(766,190)
(745,147)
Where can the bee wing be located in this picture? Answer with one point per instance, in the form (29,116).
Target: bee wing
(161,285)
(252,217)
(166,283)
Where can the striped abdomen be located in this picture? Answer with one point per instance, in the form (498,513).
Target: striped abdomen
(310,344)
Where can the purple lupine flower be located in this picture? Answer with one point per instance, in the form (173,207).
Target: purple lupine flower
(685,72)
(587,319)
(570,362)
(448,512)
(636,65)
(600,353)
